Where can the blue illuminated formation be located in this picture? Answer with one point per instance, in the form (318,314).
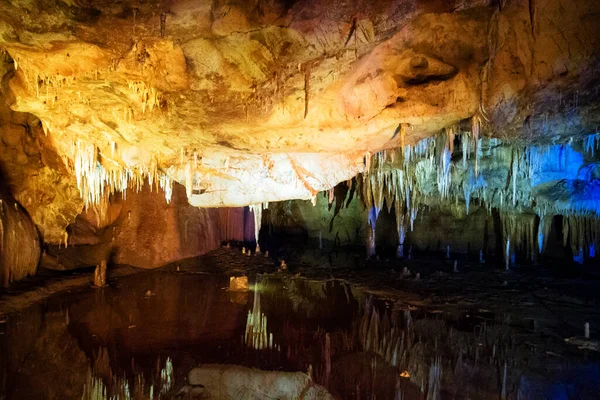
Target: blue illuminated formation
(525,183)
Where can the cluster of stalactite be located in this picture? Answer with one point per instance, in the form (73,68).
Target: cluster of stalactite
(460,167)
(96,182)
(519,233)
(437,169)
(582,235)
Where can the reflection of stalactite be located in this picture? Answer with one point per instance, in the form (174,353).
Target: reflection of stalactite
(379,335)
(257,336)
(102,384)
(435,380)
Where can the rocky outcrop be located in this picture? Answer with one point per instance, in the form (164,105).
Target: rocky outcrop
(19,242)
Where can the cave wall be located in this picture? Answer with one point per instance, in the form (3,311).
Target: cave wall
(434,228)
(301,217)
(143,230)
(32,171)
(438,228)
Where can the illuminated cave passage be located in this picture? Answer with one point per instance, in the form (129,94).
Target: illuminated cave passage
(308,199)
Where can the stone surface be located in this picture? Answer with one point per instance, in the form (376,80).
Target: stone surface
(233,381)
(247,102)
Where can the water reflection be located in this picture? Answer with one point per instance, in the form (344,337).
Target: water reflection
(160,335)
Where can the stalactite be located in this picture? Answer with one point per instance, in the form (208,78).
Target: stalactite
(95,182)
(581,234)
(371,223)
(443,176)
(406,183)
(507,253)
(307,74)
(591,143)
(189,179)
(466,148)
(400,228)
(475,126)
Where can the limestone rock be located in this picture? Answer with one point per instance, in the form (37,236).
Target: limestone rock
(19,242)
(236,382)
(257,92)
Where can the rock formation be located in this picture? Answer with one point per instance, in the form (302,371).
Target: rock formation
(247,102)
(19,242)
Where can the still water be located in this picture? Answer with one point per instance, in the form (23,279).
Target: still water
(166,335)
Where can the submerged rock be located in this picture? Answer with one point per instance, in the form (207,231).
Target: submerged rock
(233,382)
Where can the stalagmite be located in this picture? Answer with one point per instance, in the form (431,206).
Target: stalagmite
(586,330)
(100,274)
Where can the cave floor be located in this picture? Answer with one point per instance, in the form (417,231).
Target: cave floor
(363,328)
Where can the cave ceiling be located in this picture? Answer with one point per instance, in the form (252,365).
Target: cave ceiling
(246,102)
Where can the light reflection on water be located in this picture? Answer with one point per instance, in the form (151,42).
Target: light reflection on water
(140,337)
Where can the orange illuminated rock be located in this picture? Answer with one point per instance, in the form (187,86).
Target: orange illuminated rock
(246,103)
